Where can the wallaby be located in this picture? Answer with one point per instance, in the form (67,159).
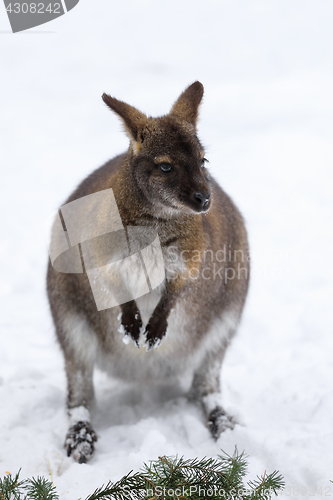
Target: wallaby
(184,324)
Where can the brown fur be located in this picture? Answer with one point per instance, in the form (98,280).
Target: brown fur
(191,214)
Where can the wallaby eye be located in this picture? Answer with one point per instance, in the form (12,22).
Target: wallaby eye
(165,167)
(203,162)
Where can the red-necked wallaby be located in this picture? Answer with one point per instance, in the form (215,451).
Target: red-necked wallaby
(185,323)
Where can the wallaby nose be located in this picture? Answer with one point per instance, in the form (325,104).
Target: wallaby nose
(201,199)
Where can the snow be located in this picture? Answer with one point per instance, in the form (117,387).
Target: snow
(79,414)
(267,123)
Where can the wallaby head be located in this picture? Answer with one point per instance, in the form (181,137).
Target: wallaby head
(165,154)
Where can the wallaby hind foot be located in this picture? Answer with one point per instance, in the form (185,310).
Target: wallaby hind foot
(80,441)
(219,421)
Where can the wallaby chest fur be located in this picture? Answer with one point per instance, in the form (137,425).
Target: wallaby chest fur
(162,183)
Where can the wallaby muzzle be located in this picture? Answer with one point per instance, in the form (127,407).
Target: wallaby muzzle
(201,201)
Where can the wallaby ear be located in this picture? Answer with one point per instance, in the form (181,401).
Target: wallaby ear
(133,119)
(187,105)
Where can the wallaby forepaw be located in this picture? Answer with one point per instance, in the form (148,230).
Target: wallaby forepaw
(219,421)
(154,333)
(131,323)
(80,441)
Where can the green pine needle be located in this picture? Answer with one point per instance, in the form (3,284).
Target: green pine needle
(173,478)
(10,487)
(41,489)
(168,478)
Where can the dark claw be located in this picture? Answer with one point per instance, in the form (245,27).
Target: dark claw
(151,343)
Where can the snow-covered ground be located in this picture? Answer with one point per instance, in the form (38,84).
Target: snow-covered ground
(267,123)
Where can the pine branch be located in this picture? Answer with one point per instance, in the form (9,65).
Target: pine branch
(168,478)
(266,485)
(120,490)
(41,489)
(172,478)
(11,487)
